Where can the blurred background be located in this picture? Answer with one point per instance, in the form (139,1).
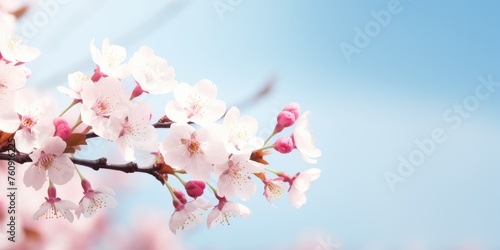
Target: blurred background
(380,77)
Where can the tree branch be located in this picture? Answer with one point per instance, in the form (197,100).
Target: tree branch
(21,159)
(101,163)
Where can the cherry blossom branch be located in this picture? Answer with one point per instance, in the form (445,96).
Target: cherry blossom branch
(21,159)
(96,165)
(130,167)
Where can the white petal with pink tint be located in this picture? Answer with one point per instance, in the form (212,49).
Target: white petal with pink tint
(274,189)
(240,132)
(304,141)
(94,200)
(229,209)
(14,49)
(234,176)
(56,208)
(301,184)
(75,82)
(49,158)
(152,72)
(194,151)
(110,59)
(195,104)
(33,122)
(103,100)
(11,76)
(136,132)
(189,215)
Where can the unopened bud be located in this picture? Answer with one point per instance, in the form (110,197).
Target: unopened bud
(284,145)
(62,128)
(52,192)
(86,185)
(294,108)
(195,188)
(137,91)
(285,119)
(180,196)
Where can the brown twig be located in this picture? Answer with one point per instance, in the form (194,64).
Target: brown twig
(101,163)
(21,159)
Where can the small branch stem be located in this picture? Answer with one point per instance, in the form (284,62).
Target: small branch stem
(96,165)
(68,108)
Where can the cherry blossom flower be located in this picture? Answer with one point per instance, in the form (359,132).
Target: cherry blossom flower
(49,159)
(194,151)
(109,60)
(240,132)
(303,140)
(31,119)
(13,49)
(103,100)
(225,209)
(76,81)
(54,207)
(274,188)
(234,176)
(300,184)
(195,104)
(94,200)
(186,216)
(136,132)
(151,72)
(11,78)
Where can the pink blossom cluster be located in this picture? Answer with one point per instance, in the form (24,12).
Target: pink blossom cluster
(208,145)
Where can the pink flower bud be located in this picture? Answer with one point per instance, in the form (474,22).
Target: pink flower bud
(287,178)
(137,91)
(294,108)
(285,119)
(195,188)
(284,145)
(180,195)
(62,128)
(86,185)
(52,192)
(178,205)
(97,74)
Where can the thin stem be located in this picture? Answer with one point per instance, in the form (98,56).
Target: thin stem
(79,173)
(213,189)
(180,179)
(171,191)
(276,172)
(77,123)
(268,147)
(269,138)
(68,108)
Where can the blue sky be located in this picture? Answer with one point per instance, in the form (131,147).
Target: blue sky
(365,113)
